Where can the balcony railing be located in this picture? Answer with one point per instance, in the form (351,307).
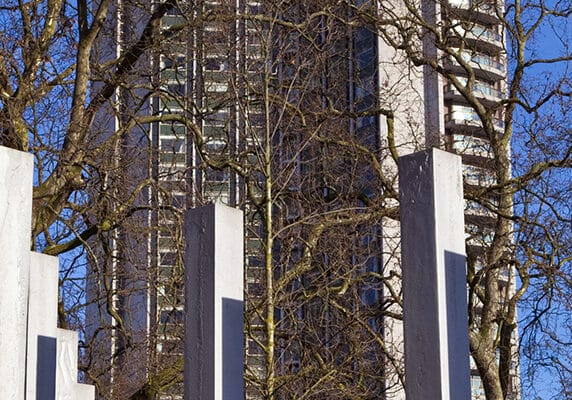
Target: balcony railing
(477,37)
(486,7)
(480,89)
(468,117)
(472,145)
(477,31)
(486,66)
(484,33)
(483,60)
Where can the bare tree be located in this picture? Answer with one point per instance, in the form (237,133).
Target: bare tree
(523,217)
(75,92)
(135,111)
(308,181)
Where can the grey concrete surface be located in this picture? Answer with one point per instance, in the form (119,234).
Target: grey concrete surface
(214,338)
(434,277)
(42,324)
(16,170)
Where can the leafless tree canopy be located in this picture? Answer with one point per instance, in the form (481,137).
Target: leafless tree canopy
(295,112)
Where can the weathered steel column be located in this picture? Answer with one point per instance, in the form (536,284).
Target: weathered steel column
(214,339)
(434,277)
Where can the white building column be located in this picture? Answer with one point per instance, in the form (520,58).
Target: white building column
(434,277)
(214,338)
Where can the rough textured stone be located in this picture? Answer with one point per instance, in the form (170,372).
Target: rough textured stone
(434,277)
(214,337)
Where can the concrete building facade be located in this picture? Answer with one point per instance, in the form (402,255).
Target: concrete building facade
(246,99)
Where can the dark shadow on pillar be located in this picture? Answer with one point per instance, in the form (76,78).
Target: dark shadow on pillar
(458,324)
(46,365)
(232,349)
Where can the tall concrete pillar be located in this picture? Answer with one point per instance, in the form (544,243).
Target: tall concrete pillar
(214,339)
(16,169)
(42,327)
(434,277)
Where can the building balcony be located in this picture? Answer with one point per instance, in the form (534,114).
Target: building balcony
(478,237)
(484,92)
(484,66)
(477,36)
(471,146)
(478,176)
(485,11)
(474,209)
(467,120)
